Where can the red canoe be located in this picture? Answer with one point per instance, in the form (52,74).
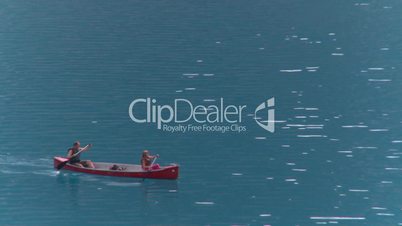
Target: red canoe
(130,170)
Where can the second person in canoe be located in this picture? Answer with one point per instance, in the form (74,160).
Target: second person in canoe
(147,161)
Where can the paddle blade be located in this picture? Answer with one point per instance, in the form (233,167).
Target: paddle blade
(61,165)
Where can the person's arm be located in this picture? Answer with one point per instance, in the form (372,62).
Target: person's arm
(143,165)
(70,153)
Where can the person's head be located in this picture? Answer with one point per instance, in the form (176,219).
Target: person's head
(76,144)
(145,153)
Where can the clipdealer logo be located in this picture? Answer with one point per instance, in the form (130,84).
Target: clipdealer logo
(184,116)
(268,124)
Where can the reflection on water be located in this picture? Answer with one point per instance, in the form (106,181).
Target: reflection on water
(71,185)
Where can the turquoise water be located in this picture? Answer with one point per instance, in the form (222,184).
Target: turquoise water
(70,69)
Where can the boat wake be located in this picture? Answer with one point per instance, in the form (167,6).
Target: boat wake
(123,184)
(4,171)
(12,161)
(51,173)
(12,165)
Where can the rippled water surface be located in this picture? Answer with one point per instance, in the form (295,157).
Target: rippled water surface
(70,69)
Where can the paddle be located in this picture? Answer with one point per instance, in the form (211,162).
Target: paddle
(153,161)
(61,165)
(150,167)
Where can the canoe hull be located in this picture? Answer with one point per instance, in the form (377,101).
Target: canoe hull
(166,172)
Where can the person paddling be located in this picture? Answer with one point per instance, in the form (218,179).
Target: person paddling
(75,160)
(147,161)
